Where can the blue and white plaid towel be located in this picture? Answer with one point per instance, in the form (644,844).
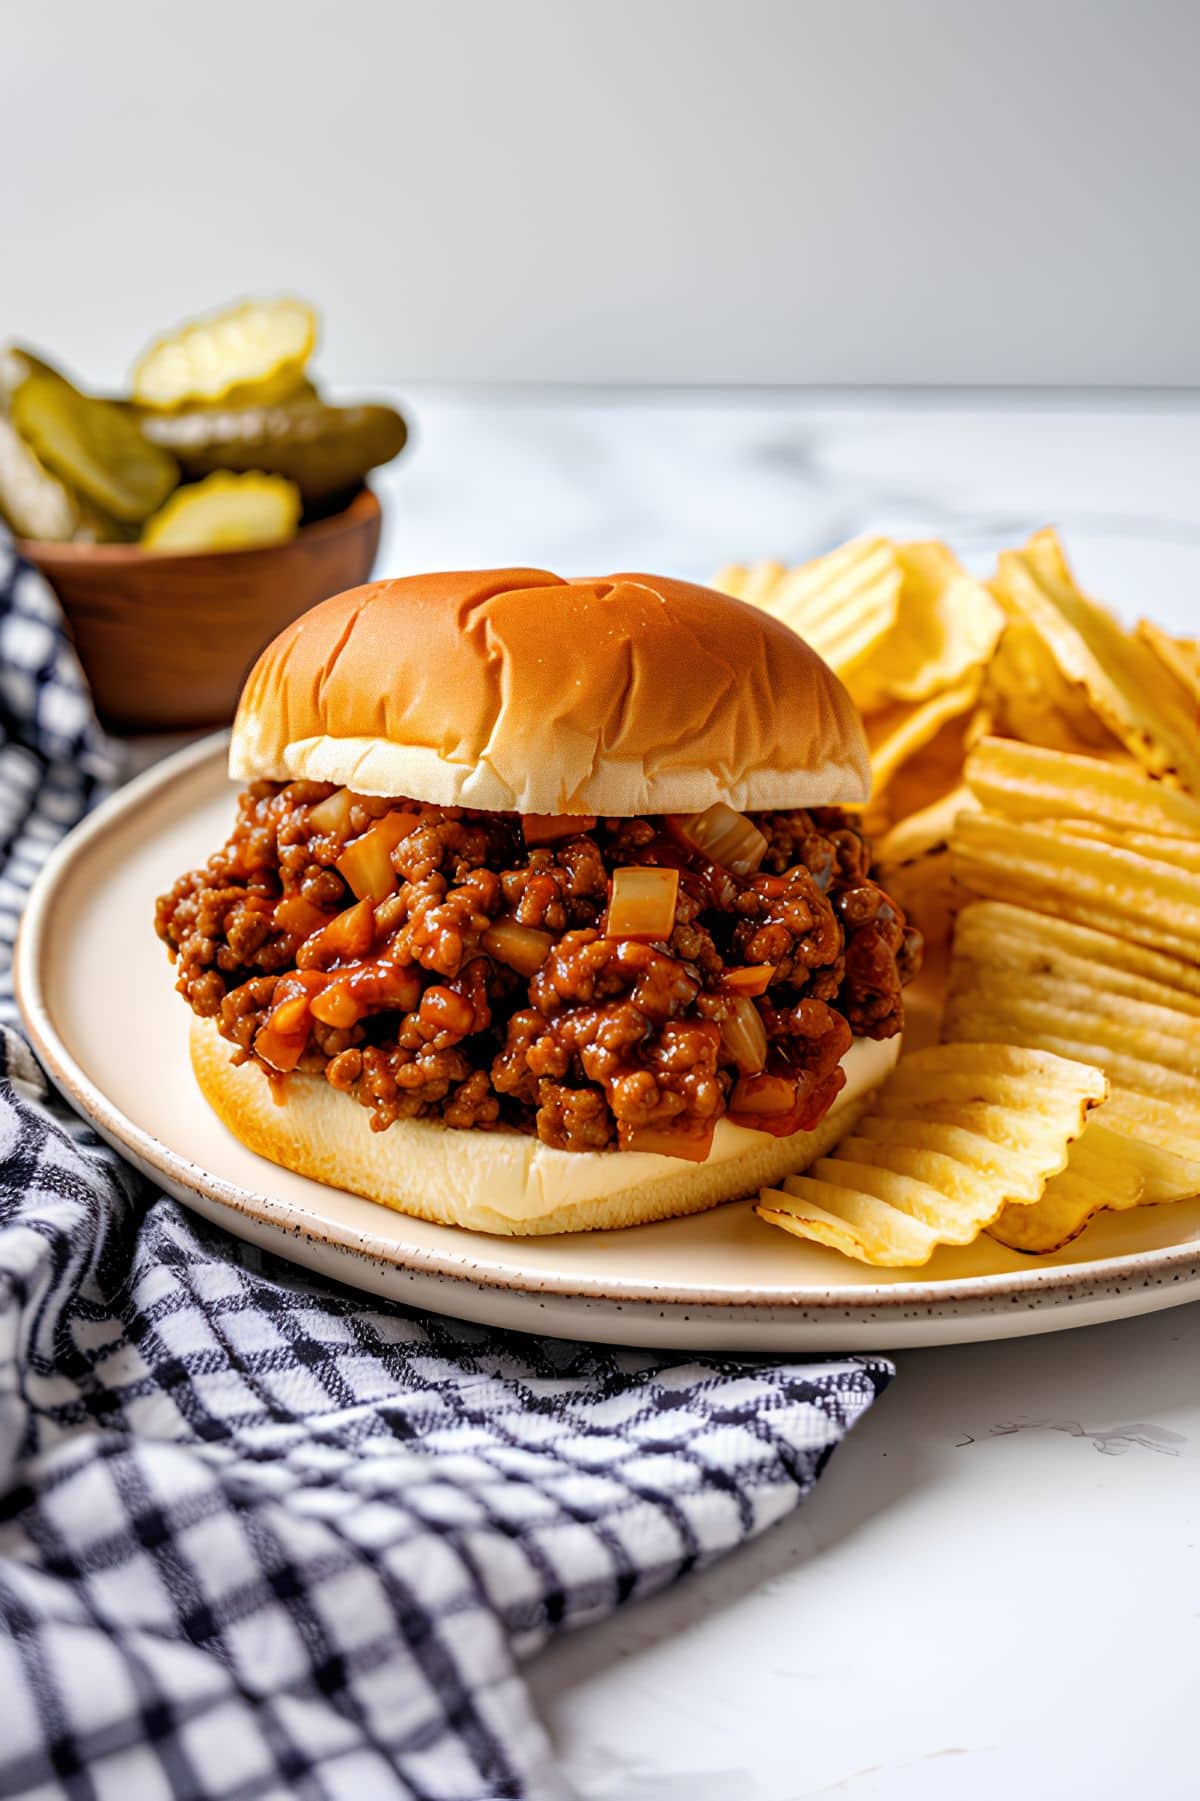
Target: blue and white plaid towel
(262,1537)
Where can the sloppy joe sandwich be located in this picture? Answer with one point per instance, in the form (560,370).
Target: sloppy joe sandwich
(541,911)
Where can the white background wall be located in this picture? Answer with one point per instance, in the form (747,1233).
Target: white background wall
(618,190)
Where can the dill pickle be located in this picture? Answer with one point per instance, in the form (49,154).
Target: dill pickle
(97,449)
(253,352)
(325,450)
(226,512)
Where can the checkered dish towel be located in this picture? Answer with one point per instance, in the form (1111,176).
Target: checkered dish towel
(260,1536)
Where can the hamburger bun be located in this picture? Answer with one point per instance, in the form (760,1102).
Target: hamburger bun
(513,690)
(503,1181)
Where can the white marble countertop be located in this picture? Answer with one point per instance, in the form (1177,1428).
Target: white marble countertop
(995,1589)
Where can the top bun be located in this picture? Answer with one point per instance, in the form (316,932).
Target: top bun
(511,690)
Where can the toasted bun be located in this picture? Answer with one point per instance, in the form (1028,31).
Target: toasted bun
(507,1182)
(513,690)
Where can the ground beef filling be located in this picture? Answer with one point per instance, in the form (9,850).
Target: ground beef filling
(473,982)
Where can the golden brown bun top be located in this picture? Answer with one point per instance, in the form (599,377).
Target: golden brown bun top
(513,690)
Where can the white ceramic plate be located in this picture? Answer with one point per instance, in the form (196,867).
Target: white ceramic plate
(96,992)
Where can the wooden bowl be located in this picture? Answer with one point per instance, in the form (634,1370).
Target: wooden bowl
(167,641)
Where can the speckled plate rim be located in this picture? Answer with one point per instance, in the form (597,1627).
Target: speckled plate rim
(1104,1279)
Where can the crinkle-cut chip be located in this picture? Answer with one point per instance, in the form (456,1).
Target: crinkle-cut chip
(947,626)
(989,921)
(754,583)
(976,1018)
(917,833)
(1126,684)
(858,1225)
(1103,1173)
(255,352)
(953,1177)
(842,603)
(992,1072)
(1181,656)
(1005,1119)
(1027,697)
(1159,1034)
(906,727)
(931,773)
(1184,853)
(1030,782)
(1050,970)
(1114,890)
(1151,1120)
(1020,1166)
(1164,1174)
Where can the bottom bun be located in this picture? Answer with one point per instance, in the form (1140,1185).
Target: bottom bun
(507,1182)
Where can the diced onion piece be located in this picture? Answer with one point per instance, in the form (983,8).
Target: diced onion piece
(765,1095)
(299,917)
(743,1035)
(522,948)
(668,1141)
(366,862)
(346,938)
(642,904)
(752,978)
(333,813)
(545,828)
(725,837)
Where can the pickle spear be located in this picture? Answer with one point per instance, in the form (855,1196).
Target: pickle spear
(226,512)
(325,450)
(95,448)
(250,354)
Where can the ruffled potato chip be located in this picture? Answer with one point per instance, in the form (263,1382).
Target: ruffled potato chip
(1125,683)
(1004,1120)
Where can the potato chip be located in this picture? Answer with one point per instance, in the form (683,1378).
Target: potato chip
(983,939)
(842,603)
(1097,1179)
(1099,885)
(1126,684)
(946,627)
(904,728)
(1179,655)
(1027,697)
(1159,1033)
(1165,1174)
(1026,781)
(1184,853)
(888,1199)
(1153,1121)
(994,921)
(922,831)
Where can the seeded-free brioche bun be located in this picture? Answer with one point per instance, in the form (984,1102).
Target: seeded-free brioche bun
(508,1182)
(512,690)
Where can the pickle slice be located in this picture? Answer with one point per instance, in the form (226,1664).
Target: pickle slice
(33,502)
(325,450)
(226,512)
(97,449)
(253,353)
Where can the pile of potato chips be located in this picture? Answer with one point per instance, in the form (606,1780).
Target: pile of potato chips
(1036,800)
